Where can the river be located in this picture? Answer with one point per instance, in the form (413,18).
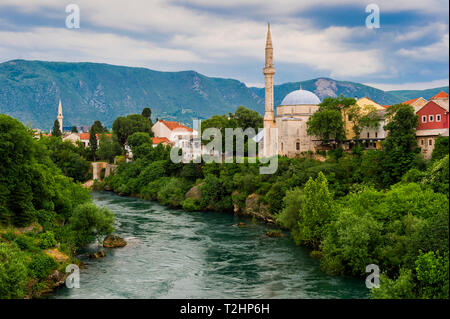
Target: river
(177,254)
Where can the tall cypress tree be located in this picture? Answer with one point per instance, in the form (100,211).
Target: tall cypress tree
(93,142)
(56,129)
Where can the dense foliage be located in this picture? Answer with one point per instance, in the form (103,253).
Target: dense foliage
(56,211)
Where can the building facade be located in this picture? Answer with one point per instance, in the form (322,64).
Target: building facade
(285,133)
(433,122)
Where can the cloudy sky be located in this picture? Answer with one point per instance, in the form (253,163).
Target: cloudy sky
(226,38)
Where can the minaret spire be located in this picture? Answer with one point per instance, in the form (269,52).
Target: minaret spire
(60,116)
(269,72)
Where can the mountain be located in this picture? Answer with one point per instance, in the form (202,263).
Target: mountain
(412,94)
(325,87)
(30,90)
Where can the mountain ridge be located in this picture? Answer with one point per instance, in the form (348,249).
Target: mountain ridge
(30,90)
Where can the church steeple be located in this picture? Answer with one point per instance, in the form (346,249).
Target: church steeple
(60,116)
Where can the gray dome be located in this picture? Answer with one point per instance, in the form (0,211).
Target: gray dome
(300,97)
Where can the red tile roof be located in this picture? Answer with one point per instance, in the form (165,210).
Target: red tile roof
(386,106)
(410,102)
(86,136)
(157,140)
(440,95)
(172,125)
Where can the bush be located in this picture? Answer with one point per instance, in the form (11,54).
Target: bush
(172,193)
(26,243)
(13,272)
(191,205)
(89,222)
(41,265)
(47,240)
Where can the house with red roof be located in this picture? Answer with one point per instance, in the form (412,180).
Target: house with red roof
(433,122)
(84,138)
(160,140)
(440,96)
(416,103)
(179,136)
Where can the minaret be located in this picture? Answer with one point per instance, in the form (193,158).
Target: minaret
(60,116)
(269,72)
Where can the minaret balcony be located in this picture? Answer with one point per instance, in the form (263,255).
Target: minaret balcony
(269,70)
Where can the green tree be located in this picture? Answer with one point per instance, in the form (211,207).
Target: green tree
(123,127)
(93,146)
(74,129)
(361,118)
(89,222)
(327,122)
(56,131)
(316,211)
(147,113)
(246,118)
(108,148)
(440,148)
(400,146)
(289,216)
(98,127)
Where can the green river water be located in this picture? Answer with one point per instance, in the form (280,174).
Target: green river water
(177,254)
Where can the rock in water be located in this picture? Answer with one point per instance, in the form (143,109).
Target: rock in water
(113,241)
(98,254)
(274,233)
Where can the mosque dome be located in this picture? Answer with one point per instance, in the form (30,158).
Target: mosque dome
(300,97)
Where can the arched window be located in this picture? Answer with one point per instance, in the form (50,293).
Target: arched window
(297,146)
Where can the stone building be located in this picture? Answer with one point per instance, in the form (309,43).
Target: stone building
(285,132)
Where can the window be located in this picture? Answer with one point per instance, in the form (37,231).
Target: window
(297,146)
(422,142)
(368,134)
(281,146)
(431,118)
(430,142)
(349,117)
(376,134)
(438,117)
(424,119)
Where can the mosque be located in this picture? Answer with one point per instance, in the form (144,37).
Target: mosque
(285,132)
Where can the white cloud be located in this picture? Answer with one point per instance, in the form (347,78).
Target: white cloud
(410,86)
(437,51)
(80,45)
(160,34)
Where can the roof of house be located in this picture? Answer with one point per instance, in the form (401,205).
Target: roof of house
(158,140)
(410,102)
(440,95)
(86,136)
(172,125)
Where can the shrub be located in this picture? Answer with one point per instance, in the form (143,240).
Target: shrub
(13,272)
(172,193)
(47,240)
(26,243)
(41,265)
(190,205)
